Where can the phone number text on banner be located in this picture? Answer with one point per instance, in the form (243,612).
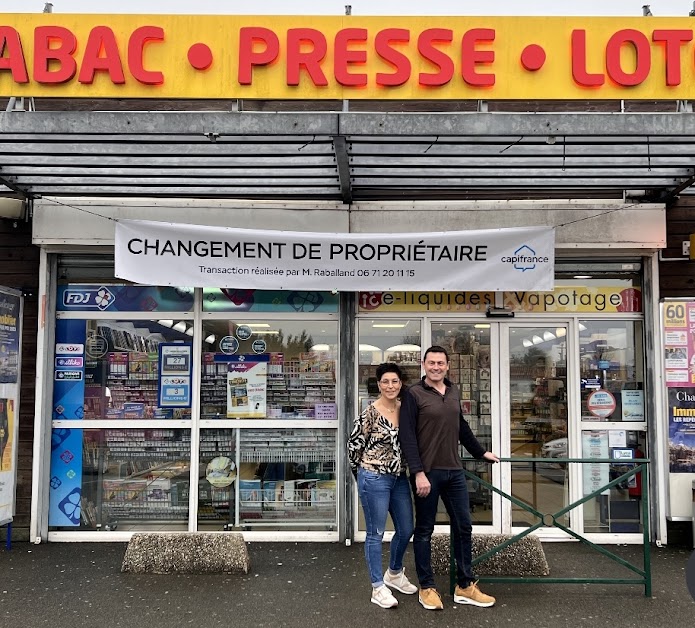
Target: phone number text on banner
(162,254)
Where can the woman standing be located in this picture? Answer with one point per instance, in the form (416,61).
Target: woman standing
(376,461)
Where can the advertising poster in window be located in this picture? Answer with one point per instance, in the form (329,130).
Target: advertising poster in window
(65,503)
(7,459)
(10,368)
(174,375)
(9,337)
(679,364)
(633,405)
(68,372)
(247,382)
(679,343)
(681,430)
(595,445)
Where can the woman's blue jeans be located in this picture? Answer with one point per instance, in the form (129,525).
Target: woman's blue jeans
(382,494)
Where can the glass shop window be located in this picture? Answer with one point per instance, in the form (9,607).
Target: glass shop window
(612,370)
(267,479)
(268,368)
(386,340)
(122,369)
(119,479)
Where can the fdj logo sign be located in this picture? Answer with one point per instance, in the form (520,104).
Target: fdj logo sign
(90,298)
(525,258)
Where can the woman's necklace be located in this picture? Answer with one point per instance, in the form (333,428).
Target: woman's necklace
(383,405)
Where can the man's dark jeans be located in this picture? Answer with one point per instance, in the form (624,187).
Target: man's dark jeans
(451,486)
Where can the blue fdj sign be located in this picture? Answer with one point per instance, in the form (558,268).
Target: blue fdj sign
(88,298)
(70,362)
(68,375)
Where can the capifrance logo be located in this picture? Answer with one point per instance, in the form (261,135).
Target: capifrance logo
(525,258)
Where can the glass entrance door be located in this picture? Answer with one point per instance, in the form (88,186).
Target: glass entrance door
(473,350)
(537,418)
(512,380)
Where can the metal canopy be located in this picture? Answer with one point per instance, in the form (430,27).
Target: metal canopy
(347,156)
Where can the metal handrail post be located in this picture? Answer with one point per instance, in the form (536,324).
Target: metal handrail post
(646,541)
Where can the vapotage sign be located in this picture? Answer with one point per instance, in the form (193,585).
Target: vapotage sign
(164,254)
(346,57)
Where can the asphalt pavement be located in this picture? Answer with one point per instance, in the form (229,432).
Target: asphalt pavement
(308,585)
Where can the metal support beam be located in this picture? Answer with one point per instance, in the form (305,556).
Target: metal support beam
(343,165)
(669,195)
(18,104)
(244,123)
(241,123)
(14,187)
(571,125)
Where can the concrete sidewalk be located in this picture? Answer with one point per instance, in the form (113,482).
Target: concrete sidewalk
(324,585)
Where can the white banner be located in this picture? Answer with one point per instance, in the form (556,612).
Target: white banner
(166,254)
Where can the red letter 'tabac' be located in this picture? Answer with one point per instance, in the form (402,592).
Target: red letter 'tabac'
(101,39)
(14,61)
(136,52)
(60,55)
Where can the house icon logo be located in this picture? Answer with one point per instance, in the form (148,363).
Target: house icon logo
(524,258)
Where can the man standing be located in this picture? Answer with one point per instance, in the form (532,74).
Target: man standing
(431,427)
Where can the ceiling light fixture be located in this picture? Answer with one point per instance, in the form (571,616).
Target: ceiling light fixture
(389,325)
(368,348)
(321,347)
(405,348)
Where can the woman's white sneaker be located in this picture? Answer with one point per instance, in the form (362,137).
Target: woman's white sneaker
(399,582)
(382,596)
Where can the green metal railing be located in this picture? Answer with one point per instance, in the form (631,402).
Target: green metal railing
(641,465)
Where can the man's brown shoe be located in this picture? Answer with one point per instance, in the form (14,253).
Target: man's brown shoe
(430,599)
(472,595)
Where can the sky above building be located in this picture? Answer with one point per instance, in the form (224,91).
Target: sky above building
(659,8)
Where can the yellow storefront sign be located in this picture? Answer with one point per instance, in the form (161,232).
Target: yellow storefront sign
(565,299)
(346,57)
(469,302)
(568,299)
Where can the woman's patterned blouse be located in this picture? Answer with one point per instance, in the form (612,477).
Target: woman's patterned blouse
(373,444)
